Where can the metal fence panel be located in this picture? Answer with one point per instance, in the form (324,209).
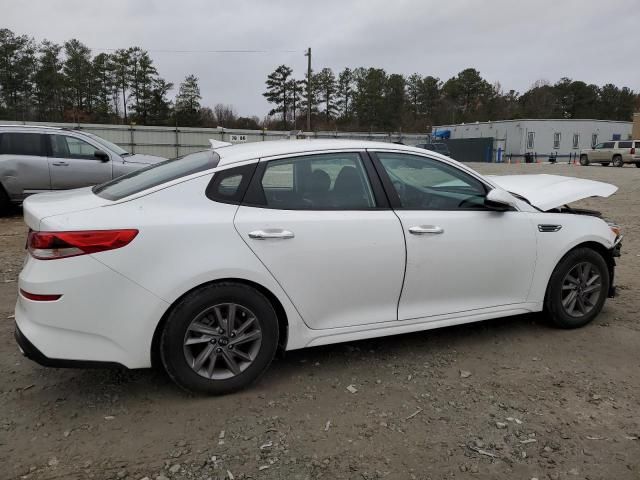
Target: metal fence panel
(171,142)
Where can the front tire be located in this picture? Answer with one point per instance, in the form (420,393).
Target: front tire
(584,160)
(577,289)
(638,164)
(220,338)
(617,161)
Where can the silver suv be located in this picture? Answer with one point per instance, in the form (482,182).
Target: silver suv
(38,159)
(617,152)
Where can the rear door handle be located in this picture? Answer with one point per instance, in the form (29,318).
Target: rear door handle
(271,233)
(60,164)
(426,229)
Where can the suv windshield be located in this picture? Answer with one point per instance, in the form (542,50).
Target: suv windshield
(110,145)
(157,174)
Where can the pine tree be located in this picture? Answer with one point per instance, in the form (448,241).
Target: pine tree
(344,94)
(326,87)
(187,108)
(278,86)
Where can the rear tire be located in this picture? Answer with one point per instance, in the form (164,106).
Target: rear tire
(577,289)
(203,353)
(638,164)
(605,164)
(617,161)
(584,160)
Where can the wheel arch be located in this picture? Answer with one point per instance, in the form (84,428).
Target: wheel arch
(600,248)
(281,314)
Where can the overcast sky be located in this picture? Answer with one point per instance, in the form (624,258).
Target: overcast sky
(510,41)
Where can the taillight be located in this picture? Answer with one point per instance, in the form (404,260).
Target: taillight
(633,151)
(54,245)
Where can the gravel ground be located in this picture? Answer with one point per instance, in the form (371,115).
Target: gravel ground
(504,399)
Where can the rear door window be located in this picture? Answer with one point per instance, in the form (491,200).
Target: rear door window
(625,144)
(331,181)
(157,174)
(17,143)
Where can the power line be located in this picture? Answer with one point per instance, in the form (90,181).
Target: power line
(203,51)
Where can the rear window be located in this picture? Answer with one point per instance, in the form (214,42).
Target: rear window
(625,144)
(157,174)
(14,143)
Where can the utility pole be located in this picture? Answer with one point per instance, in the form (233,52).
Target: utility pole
(308,54)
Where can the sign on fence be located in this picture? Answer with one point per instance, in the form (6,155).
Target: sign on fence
(237,138)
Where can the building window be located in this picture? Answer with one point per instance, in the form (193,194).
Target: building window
(556,140)
(530,140)
(594,140)
(576,140)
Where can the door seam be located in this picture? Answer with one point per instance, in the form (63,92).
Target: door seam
(266,268)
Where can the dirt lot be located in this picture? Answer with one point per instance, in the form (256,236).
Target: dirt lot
(538,402)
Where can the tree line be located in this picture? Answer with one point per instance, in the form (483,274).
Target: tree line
(49,82)
(46,81)
(372,99)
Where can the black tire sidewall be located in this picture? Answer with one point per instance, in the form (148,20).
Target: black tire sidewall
(171,343)
(553,301)
(584,160)
(5,203)
(617,161)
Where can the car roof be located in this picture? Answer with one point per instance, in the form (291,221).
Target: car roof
(27,127)
(249,151)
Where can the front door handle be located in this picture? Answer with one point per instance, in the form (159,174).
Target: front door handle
(426,229)
(60,164)
(271,233)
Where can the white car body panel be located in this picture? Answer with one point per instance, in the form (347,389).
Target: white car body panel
(457,271)
(341,278)
(342,268)
(552,191)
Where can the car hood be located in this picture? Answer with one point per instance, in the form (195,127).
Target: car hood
(143,159)
(552,191)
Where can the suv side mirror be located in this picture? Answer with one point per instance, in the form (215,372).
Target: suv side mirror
(100,155)
(499,200)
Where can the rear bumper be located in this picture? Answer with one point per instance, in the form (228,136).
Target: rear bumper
(30,351)
(100,318)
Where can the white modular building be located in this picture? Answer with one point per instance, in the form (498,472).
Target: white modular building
(541,138)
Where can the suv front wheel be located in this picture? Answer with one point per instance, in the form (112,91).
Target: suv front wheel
(584,160)
(5,203)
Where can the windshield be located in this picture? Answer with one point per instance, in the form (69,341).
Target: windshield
(157,174)
(110,145)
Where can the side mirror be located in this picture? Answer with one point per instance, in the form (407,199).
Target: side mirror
(100,155)
(499,200)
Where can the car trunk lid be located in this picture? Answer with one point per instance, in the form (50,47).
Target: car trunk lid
(552,191)
(43,205)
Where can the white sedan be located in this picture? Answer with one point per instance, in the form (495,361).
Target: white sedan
(212,262)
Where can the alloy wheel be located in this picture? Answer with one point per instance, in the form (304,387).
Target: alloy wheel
(222,341)
(581,288)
